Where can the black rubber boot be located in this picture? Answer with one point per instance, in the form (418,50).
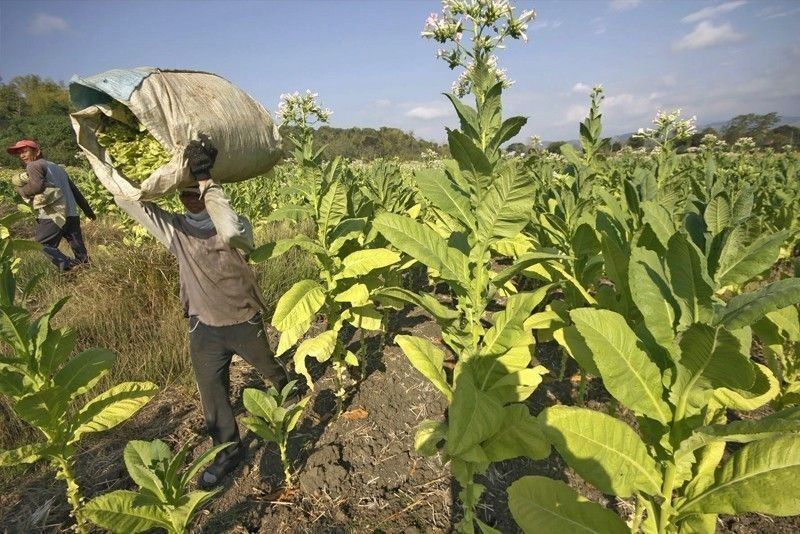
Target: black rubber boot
(225,462)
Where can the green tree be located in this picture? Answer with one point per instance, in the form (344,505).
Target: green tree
(517,148)
(52,131)
(42,96)
(750,125)
(635,142)
(38,109)
(784,135)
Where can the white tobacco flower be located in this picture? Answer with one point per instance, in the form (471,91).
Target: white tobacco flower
(744,144)
(669,126)
(493,10)
(488,21)
(527,16)
(455,7)
(709,139)
(302,110)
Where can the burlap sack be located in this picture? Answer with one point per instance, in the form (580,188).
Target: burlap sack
(175,107)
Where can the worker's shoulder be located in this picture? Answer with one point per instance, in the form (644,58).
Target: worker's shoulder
(39,166)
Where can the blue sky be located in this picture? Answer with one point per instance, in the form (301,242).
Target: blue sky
(714,59)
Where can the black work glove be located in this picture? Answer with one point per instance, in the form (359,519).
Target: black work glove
(200,155)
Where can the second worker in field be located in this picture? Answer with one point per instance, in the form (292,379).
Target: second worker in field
(219,293)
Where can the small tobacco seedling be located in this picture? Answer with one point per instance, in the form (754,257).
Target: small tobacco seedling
(272,420)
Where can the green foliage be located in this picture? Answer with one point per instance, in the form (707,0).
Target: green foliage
(678,365)
(163,500)
(779,334)
(33,108)
(272,419)
(476,201)
(352,265)
(45,384)
(52,131)
(540,504)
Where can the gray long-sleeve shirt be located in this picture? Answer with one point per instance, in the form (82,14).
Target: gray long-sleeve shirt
(43,173)
(216,283)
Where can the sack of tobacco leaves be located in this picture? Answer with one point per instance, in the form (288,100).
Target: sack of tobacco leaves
(133,125)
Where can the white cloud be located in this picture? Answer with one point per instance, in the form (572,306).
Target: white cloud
(383,103)
(712,11)
(622,108)
(581,88)
(598,25)
(575,114)
(706,34)
(773,12)
(669,80)
(622,5)
(544,24)
(627,104)
(428,112)
(43,24)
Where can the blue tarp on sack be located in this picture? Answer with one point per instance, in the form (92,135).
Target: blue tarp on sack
(117,84)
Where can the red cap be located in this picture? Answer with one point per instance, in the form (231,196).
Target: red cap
(25,143)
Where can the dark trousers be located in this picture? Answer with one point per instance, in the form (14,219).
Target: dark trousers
(211,349)
(49,235)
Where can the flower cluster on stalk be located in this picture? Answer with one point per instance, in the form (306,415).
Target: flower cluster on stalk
(489,21)
(302,110)
(744,145)
(597,94)
(429,155)
(668,127)
(711,143)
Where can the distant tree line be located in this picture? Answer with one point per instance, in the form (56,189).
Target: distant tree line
(369,143)
(761,128)
(36,108)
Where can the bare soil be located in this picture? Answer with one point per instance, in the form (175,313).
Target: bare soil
(356,471)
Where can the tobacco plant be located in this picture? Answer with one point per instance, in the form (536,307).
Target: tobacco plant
(719,218)
(46,386)
(351,266)
(163,499)
(272,419)
(482,198)
(565,207)
(679,368)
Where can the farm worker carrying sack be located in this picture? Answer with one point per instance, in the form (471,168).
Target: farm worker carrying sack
(169,108)
(219,293)
(47,188)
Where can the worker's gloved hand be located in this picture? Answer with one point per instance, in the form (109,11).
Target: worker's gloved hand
(200,155)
